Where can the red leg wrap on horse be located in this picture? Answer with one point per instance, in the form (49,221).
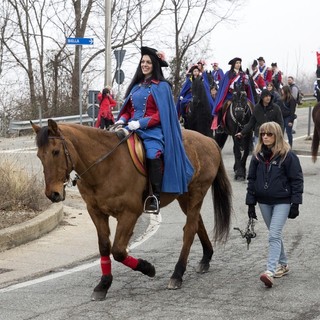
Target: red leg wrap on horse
(105,263)
(130,262)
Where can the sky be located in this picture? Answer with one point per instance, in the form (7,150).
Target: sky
(282,31)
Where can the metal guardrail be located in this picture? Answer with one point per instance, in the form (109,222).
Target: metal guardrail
(26,125)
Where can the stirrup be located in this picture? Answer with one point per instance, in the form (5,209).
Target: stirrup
(145,210)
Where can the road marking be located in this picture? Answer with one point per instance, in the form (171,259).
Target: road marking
(155,221)
(22,150)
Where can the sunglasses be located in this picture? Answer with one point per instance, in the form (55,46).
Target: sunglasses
(268,134)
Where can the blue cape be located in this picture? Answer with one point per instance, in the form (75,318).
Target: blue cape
(178,170)
(223,92)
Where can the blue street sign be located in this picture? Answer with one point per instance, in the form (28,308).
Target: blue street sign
(80,41)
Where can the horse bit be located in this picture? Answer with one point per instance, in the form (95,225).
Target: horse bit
(248,233)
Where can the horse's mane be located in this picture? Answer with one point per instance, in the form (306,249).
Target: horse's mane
(42,137)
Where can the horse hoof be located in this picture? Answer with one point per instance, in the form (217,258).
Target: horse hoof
(202,267)
(98,295)
(174,284)
(146,268)
(100,291)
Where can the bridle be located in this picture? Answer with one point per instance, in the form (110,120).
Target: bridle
(239,108)
(77,177)
(68,158)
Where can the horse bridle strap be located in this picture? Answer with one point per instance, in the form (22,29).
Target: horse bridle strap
(67,155)
(78,177)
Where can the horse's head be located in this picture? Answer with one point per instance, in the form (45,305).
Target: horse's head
(55,159)
(240,105)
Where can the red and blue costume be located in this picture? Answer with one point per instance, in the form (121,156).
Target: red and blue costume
(153,106)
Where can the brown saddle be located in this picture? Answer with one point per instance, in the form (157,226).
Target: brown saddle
(137,153)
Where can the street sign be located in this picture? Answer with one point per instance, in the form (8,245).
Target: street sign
(119,54)
(80,41)
(119,76)
(93,111)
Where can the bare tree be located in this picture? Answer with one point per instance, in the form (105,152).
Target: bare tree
(192,23)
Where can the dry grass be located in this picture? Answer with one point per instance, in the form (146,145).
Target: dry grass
(20,190)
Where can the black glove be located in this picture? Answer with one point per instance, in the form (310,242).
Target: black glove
(252,212)
(294,211)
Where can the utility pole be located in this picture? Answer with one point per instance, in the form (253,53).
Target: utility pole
(107,78)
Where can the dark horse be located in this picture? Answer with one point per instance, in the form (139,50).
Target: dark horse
(316,131)
(111,185)
(199,114)
(236,115)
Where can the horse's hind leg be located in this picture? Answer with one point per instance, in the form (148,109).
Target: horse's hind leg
(189,231)
(204,264)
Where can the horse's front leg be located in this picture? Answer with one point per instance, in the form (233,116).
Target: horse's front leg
(101,221)
(124,231)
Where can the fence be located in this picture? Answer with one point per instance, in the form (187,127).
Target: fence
(17,126)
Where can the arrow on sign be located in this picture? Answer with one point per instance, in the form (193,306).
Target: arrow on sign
(80,41)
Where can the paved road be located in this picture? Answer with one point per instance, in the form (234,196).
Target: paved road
(230,290)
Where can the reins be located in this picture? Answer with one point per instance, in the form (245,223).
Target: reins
(68,156)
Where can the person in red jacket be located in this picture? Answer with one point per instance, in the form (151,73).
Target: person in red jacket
(107,103)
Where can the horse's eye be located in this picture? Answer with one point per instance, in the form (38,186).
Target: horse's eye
(55,152)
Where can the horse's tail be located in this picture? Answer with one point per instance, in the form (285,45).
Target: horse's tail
(222,203)
(315,144)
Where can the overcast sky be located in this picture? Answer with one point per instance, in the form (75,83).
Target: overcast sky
(282,31)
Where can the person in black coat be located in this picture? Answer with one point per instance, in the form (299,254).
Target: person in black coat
(275,182)
(264,111)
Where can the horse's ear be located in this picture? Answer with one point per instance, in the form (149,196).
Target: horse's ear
(53,128)
(35,127)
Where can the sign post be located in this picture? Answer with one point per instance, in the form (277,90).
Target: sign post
(80,42)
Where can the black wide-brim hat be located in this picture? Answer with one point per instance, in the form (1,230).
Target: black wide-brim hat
(234,60)
(193,67)
(153,52)
(260,59)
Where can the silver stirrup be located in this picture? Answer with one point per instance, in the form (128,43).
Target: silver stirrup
(145,210)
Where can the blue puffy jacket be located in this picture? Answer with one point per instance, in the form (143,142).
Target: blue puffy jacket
(274,182)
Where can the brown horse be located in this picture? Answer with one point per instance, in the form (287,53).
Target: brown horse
(316,131)
(114,187)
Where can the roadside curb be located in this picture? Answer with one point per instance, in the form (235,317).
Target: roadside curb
(33,229)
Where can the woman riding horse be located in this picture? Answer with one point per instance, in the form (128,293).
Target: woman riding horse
(149,110)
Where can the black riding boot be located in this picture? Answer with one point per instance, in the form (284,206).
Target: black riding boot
(155,176)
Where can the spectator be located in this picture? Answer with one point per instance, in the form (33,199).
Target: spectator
(264,111)
(276,95)
(288,108)
(106,103)
(273,162)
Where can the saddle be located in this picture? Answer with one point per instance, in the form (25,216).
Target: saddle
(135,146)
(137,153)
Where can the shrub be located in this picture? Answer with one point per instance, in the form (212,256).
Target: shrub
(20,190)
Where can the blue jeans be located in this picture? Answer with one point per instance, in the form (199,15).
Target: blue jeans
(275,217)
(288,129)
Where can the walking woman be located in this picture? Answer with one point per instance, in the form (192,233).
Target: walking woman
(288,109)
(275,182)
